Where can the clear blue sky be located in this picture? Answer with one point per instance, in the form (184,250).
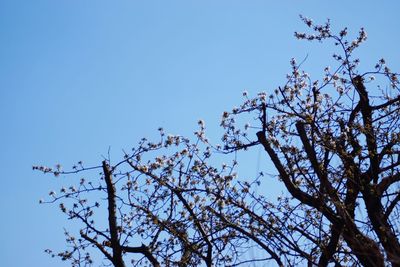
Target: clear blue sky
(78,77)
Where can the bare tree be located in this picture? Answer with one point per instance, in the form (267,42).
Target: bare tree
(335,146)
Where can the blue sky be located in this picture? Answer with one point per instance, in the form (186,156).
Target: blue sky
(78,77)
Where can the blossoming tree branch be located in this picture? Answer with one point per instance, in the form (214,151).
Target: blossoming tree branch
(334,142)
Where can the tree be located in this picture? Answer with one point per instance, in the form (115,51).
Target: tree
(335,146)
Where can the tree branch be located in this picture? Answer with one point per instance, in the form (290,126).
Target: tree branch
(143,249)
(112,218)
(99,246)
(366,111)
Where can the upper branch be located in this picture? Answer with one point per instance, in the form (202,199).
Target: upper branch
(112,217)
(366,111)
